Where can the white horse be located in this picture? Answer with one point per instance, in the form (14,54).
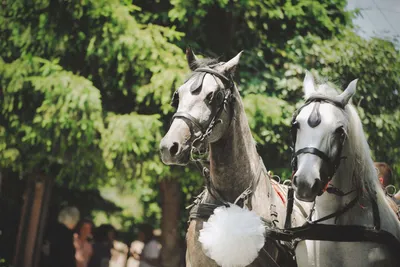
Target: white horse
(329,132)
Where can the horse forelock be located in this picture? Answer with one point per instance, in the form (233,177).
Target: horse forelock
(198,77)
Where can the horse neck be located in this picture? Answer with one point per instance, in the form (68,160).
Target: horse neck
(234,161)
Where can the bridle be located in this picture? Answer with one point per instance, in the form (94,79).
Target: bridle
(332,165)
(221,98)
(314,229)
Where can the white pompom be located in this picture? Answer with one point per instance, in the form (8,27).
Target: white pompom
(233,236)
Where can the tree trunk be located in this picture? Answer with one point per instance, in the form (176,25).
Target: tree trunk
(1,180)
(170,239)
(33,217)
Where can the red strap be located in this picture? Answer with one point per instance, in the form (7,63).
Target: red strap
(326,187)
(279,193)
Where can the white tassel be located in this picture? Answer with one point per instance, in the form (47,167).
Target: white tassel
(233,236)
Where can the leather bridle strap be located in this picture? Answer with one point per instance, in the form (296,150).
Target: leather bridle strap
(187,116)
(314,151)
(223,78)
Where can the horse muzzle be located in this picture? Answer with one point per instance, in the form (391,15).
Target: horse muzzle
(174,153)
(306,188)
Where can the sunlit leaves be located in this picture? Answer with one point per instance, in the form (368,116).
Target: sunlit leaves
(52,118)
(128,141)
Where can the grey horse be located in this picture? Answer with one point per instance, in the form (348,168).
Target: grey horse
(210,115)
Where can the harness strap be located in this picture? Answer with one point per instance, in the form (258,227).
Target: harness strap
(289,208)
(336,213)
(336,233)
(375,212)
(331,189)
(266,259)
(202,211)
(278,192)
(209,185)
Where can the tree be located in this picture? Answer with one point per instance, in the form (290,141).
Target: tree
(86,85)
(85,91)
(281,39)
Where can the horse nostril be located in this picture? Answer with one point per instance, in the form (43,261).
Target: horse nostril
(316,186)
(174,149)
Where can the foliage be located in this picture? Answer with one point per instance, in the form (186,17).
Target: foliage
(282,39)
(85,85)
(93,86)
(375,62)
(52,118)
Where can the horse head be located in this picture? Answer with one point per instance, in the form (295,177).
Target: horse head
(204,109)
(319,130)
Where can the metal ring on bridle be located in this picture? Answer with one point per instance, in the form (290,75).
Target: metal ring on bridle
(388,192)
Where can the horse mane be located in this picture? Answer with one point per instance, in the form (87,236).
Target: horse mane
(362,166)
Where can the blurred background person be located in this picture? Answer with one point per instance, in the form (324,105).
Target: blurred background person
(150,255)
(59,246)
(385,173)
(136,247)
(82,245)
(396,198)
(104,237)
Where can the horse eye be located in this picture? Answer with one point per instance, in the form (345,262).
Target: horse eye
(295,125)
(339,130)
(209,96)
(219,97)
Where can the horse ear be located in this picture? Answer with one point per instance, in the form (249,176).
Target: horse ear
(230,66)
(191,58)
(309,84)
(349,92)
